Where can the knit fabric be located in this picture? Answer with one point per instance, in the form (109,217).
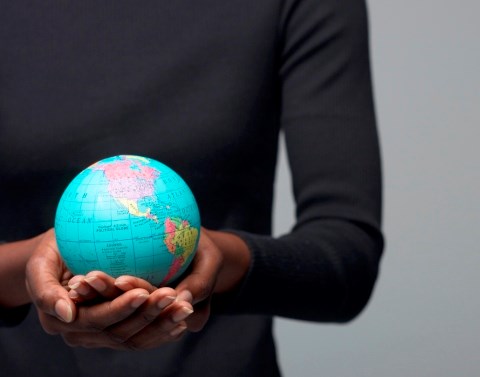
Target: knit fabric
(206,88)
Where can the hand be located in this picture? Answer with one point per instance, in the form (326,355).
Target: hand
(220,264)
(46,277)
(106,318)
(128,312)
(138,318)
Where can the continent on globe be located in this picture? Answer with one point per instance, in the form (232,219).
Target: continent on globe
(130,180)
(179,240)
(128,215)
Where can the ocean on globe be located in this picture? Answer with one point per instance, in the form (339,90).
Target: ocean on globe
(128,215)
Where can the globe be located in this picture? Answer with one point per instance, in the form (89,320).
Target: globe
(128,215)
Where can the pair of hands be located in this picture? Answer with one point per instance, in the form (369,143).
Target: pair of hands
(97,310)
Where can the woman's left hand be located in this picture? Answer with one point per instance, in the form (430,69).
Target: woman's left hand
(221,261)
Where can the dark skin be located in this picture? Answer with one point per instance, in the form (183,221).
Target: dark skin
(97,310)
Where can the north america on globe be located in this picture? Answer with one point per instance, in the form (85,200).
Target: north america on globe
(128,215)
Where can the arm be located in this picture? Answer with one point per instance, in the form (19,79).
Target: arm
(325,269)
(13,259)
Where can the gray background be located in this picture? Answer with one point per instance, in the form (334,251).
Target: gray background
(424,317)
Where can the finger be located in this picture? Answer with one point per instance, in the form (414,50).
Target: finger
(96,284)
(66,277)
(147,328)
(95,318)
(44,273)
(160,307)
(104,314)
(81,292)
(75,280)
(205,268)
(197,321)
(168,327)
(51,324)
(103,284)
(127,282)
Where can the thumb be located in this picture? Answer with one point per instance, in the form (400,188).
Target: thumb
(200,282)
(64,310)
(44,273)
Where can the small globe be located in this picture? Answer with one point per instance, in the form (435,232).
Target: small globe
(128,215)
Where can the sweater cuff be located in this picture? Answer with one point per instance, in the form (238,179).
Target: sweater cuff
(244,299)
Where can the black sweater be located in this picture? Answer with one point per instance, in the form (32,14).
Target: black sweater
(204,87)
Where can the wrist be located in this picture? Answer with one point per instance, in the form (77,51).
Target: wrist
(236,260)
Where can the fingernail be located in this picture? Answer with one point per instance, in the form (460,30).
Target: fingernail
(182,314)
(64,311)
(74,286)
(96,283)
(123,285)
(185,296)
(139,300)
(73,294)
(164,302)
(80,288)
(177,330)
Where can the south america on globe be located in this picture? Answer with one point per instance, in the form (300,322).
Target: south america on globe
(128,215)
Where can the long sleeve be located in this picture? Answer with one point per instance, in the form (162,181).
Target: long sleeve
(325,269)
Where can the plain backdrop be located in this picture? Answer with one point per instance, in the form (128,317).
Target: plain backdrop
(423,319)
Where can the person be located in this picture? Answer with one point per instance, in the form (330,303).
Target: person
(205,88)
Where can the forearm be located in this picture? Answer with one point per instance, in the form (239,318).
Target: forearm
(324,271)
(13,259)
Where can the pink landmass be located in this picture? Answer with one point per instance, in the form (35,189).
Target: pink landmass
(174,268)
(129,179)
(171,227)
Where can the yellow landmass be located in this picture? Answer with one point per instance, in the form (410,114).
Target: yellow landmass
(133,209)
(186,238)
